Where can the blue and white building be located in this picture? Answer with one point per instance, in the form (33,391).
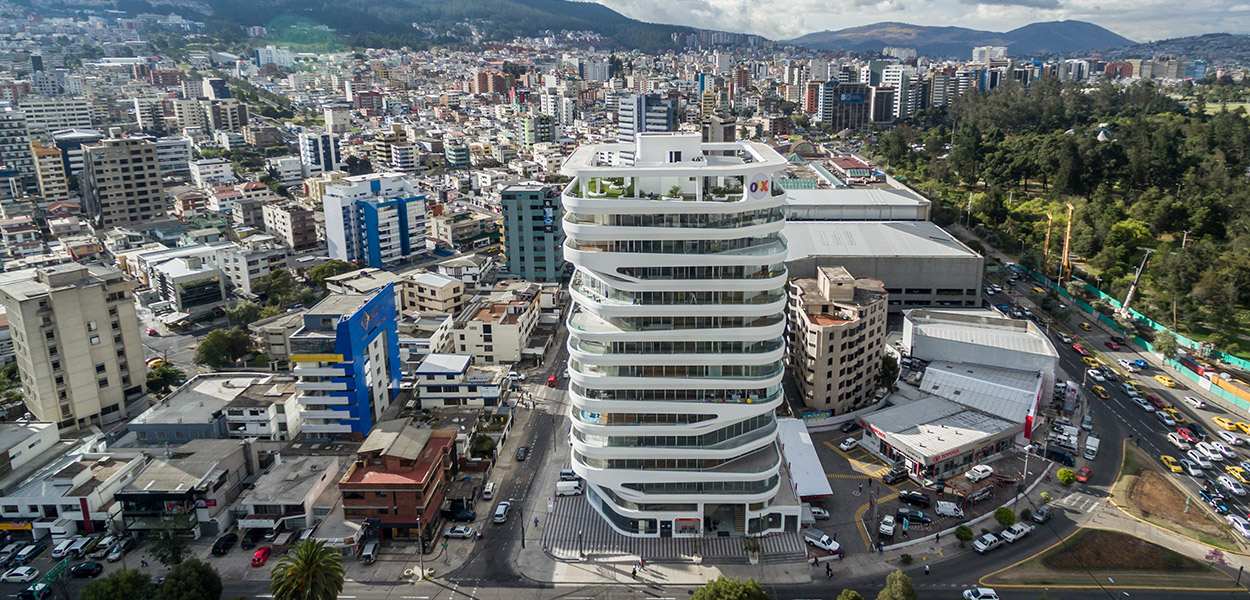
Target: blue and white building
(320,153)
(346,357)
(374,220)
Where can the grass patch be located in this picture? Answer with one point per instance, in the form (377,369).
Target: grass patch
(1091,556)
(1145,492)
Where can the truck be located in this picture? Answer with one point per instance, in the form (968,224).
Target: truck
(818,539)
(1091,447)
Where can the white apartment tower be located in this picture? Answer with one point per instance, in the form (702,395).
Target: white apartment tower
(676,335)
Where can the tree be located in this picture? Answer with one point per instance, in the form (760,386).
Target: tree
(244,312)
(1005,516)
(723,588)
(889,371)
(125,584)
(964,534)
(850,595)
(1075,288)
(897,587)
(330,268)
(163,378)
(170,549)
(312,571)
(222,347)
(1066,476)
(192,579)
(358,166)
(1165,343)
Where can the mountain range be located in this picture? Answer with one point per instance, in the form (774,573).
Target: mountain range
(1053,37)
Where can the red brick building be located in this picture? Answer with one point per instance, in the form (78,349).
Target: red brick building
(399,478)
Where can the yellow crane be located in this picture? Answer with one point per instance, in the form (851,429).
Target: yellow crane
(1065,265)
(1050,221)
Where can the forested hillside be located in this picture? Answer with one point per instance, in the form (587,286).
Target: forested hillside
(1161,175)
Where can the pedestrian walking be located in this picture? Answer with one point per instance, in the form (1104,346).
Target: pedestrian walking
(813,561)
(937,537)
(634,574)
(828,571)
(143,561)
(535,521)
(642,564)
(926,569)
(861,487)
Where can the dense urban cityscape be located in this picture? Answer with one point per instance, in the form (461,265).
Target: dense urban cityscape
(486,311)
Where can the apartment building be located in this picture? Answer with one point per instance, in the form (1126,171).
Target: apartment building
(346,356)
(45,114)
(836,334)
(443,380)
(432,292)
(320,153)
(496,328)
(678,325)
(290,496)
(15,150)
(207,172)
(399,478)
(266,410)
(50,172)
(375,220)
(465,229)
(273,335)
(77,342)
(533,235)
(121,182)
(293,225)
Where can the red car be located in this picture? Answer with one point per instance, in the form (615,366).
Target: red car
(1112,345)
(1157,401)
(1083,474)
(551,381)
(1080,349)
(1186,435)
(262,555)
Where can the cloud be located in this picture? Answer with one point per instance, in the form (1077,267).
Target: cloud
(1046,4)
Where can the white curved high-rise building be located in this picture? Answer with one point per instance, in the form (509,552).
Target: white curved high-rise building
(676,335)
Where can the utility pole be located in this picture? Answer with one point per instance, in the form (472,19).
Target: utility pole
(1133,288)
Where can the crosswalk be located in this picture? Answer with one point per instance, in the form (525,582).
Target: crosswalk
(1079,502)
(574,528)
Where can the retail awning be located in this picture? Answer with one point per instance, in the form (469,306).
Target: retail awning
(806,473)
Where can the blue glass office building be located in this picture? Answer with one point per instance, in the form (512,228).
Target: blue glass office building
(347,359)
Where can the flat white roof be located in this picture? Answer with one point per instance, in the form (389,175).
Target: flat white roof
(883,239)
(807,475)
(933,426)
(992,330)
(852,197)
(444,364)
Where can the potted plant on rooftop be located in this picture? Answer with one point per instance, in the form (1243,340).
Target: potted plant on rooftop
(674,193)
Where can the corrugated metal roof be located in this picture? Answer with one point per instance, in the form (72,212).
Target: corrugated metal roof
(1006,393)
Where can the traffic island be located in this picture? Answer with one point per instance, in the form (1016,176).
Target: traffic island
(1097,558)
(1149,494)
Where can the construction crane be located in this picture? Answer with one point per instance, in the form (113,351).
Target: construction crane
(1050,222)
(1065,263)
(1145,260)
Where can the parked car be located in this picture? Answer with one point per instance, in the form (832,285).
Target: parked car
(851,426)
(1017,531)
(463,532)
(820,514)
(20,575)
(914,497)
(224,544)
(980,594)
(913,516)
(465,515)
(895,475)
(120,549)
(1084,473)
(88,569)
(979,472)
(887,526)
(986,543)
(1043,514)
(251,538)
(261,555)
(848,444)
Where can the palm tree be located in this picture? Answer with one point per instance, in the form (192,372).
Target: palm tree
(309,572)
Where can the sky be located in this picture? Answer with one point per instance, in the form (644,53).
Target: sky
(1138,20)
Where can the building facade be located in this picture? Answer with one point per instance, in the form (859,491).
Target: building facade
(836,335)
(676,337)
(374,220)
(346,357)
(121,182)
(533,235)
(399,478)
(77,342)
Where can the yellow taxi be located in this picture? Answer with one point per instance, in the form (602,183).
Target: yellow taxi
(1237,473)
(1086,326)
(1225,424)
(1175,414)
(1165,380)
(1136,386)
(1171,464)
(1090,361)
(1038,290)
(1244,427)
(1100,391)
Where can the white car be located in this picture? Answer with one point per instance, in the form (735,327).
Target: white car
(515,375)
(1229,437)
(979,472)
(1096,375)
(887,526)
(20,575)
(1143,403)
(848,444)
(1165,418)
(1065,338)
(1194,402)
(1240,524)
(989,291)
(820,514)
(980,594)
(1199,459)
(1017,531)
(1233,487)
(1123,362)
(986,543)
(1209,450)
(1191,467)
(1223,449)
